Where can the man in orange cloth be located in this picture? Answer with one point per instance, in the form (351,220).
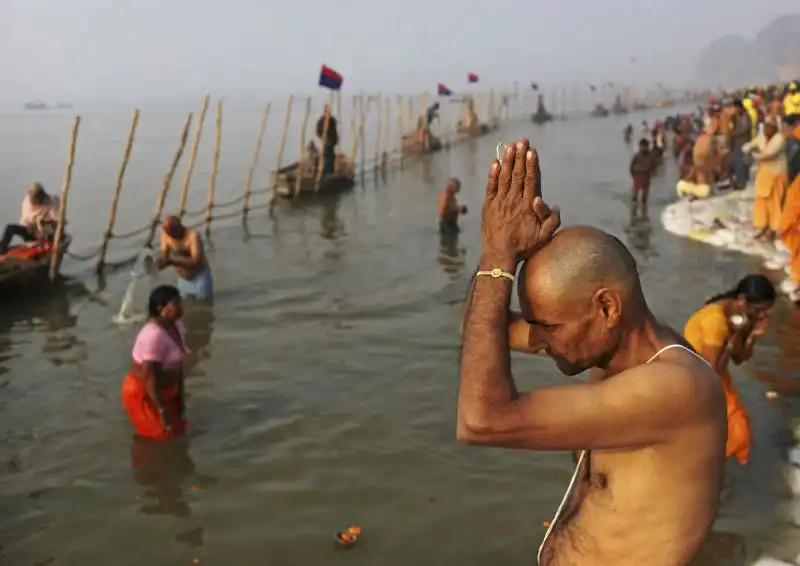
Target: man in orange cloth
(790,218)
(770,185)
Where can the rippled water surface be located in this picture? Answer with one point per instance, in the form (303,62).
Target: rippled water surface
(323,385)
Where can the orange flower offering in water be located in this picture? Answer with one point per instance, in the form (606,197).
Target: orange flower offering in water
(348,537)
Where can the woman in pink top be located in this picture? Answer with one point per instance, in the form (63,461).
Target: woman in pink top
(152,392)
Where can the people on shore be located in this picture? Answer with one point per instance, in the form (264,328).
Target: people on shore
(153,391)
(741,134)
(649,426)
(641,170)
(449,209)
(768,152)
(790,216)
(183,249)
(37,221)
(726,329)
(328,134)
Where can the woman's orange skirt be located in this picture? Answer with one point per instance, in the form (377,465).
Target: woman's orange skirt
(740,435)
(143,413)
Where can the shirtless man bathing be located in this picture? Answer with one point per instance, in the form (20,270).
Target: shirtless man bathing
(183,249)
(449,209)
(650,424)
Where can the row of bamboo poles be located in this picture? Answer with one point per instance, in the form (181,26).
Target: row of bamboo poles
(386,152)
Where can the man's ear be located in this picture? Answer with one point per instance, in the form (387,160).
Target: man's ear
(609,303)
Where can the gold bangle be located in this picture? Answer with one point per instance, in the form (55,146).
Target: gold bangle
(496,273)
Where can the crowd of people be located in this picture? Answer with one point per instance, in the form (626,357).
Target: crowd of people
(756,128)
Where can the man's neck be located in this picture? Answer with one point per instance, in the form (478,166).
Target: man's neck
(638,346)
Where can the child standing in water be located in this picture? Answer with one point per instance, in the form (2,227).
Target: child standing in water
(641,170)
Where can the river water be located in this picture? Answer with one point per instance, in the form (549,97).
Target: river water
(322,389)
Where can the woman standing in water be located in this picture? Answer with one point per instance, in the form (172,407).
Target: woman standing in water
(152,392)
(726,328)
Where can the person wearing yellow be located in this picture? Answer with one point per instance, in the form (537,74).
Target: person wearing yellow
(790,217)
(750,106)
(726,329)
(791,102)
(771,179)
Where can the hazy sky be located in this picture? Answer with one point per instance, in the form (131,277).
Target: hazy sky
(135,50)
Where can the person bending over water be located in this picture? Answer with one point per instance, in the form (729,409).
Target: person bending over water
(726,328)
(650,424)
(152,392)
(449,209)
(183,249)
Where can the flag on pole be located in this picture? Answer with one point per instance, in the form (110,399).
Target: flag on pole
(328,78)
(442,90)
(535,86)
(472,78)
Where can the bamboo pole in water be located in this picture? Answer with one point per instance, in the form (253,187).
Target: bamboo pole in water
(354,130)
(411,120)
(338,106)
(55,255)
(248,184)
(387,117)
(364,114)
(187,177)
(299,174)
(379,133)
(400,128)
(325,126)
(212,181)
(282,144)
(112,215)
(426,138)
(162,196)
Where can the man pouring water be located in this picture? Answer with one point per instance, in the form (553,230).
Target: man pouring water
(182,249)
(649,426)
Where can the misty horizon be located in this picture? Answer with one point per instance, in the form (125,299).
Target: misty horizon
(140,51)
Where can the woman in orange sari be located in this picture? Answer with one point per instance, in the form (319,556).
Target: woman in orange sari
(152,392)
(724,329)
(790,217)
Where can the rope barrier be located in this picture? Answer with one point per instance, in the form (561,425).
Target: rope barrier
(393,159)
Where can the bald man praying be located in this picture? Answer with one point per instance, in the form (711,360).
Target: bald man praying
(649,426)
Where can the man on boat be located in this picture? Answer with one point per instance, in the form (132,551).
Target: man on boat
(37,220)
(329,136)
(650,424)
(449,209)
(182,248)
(424,124)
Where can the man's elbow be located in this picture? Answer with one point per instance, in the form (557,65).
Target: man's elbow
(474,430)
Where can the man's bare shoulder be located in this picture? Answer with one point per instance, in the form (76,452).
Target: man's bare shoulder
(681,383)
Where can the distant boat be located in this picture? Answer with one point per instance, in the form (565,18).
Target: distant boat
(65,106)
(35,105)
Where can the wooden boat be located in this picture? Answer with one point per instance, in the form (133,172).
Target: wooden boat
(413,144)
(640,106)
(619,108)
(600,111)
(541,115)
(475,129)
(285,179)
(28,265)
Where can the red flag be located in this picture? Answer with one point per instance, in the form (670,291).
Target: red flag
(442,90)
(328,78)
(472,78)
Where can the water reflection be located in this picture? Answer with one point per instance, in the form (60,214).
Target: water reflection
(331,226)
(51,313)
(199,320)
(639,234)
(165,469)
(451,257)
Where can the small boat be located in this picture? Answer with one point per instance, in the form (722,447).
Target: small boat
(475,129)
(28,264)
(619,108)
(64,106)
(285,179)
(600,111)
(640,106)
(413,144)
(541,115)
(35,105)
